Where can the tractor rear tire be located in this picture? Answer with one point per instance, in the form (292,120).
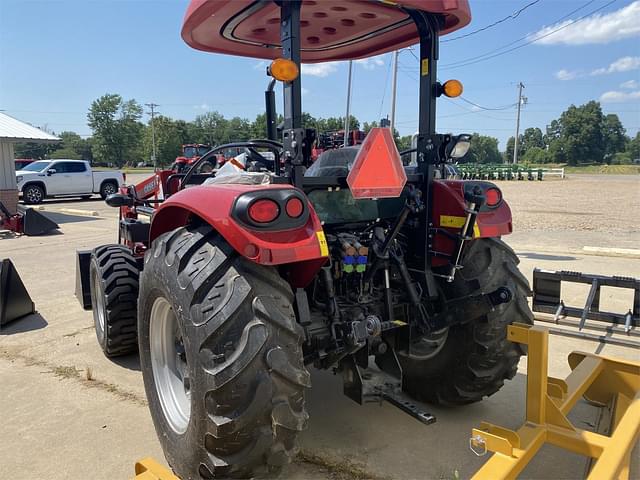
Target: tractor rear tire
(230,402)
(476,357)
(114,274)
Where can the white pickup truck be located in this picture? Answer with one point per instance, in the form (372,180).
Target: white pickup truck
(52,178)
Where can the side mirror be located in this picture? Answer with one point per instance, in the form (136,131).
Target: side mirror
(119,200)
(51,171)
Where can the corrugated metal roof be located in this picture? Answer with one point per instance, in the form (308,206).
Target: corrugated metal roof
(13,130)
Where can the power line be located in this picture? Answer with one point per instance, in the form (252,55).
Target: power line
(384,91)
(153,106)
(504,107)
(488,55)
(513,16)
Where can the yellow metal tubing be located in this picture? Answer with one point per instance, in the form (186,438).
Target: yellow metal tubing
(613,460)
(601,380)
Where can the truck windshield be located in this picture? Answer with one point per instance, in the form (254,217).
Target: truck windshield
(36,166)
(202,151)
(190,152)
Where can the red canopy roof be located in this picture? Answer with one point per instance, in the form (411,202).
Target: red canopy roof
(330,29)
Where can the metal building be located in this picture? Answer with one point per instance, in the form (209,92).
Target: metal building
(14,131)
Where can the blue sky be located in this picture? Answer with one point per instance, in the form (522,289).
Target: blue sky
(57,56)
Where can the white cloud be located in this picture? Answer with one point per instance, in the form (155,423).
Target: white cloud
(319,69)
(566,74)
(597,28)
(304,91)
(202,106)
(630,84)
(619,97)
(371,63)
(624,64)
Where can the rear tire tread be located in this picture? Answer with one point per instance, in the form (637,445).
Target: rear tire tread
(243,332)
(119,273)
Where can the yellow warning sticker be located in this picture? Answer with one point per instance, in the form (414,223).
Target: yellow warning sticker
(322,241)
(424,70)
(451,221)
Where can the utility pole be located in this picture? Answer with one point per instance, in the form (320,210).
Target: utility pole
(394,87)
(521,99)
(346,117)
(153,106)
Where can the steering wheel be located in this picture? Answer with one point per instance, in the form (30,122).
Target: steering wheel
(254,156)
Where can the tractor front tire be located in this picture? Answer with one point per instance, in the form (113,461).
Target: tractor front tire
(476,357)
(221,358)
(114,275)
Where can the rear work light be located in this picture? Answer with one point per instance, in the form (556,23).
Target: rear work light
(264,211)
(294,207)
(493,196)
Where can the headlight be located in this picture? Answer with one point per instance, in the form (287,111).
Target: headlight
(18,178)
(459,146)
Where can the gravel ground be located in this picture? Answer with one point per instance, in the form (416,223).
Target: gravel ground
(579,203)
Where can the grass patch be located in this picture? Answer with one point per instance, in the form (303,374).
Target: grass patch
(338,470)
(87,380)
(605,169)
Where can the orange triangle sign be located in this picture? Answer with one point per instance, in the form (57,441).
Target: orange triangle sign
(377,171)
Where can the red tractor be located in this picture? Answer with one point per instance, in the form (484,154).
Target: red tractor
(335,139)
(191,153)
(236,284)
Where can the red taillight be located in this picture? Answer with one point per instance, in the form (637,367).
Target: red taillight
(494,196)
(294,207)
(264,211)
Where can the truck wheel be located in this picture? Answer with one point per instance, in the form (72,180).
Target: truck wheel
(108,188)
(114,294)
(221,358)
(33,194)
(474,359)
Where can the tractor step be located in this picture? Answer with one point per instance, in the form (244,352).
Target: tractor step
(547,297)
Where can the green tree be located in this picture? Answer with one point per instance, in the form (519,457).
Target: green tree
(615,138)
(368,126)
(633,147)
(78,147)
(580,132)
(117,131)
(508,154)
(532,137)
(483,149)
(535,155)
(168,140)
(404,142)
(37,151)
(210,127)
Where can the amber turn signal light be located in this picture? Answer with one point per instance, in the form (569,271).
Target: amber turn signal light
(452,88)
(284,70)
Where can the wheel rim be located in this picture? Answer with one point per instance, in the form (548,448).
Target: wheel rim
(109,189)
(34,195)
(169,365)
(98,301)
(429,345)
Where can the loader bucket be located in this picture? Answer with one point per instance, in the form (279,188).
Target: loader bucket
(34,223)
(15,302)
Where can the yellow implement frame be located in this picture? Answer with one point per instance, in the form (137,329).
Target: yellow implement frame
(601,380)
(149,469)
